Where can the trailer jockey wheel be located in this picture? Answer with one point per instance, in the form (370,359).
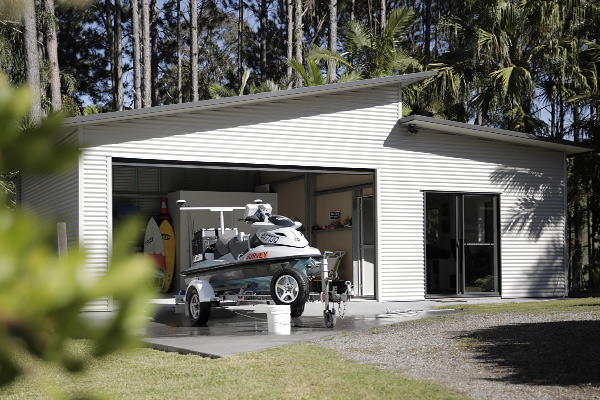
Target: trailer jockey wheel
(290,287)
(329,317)
(199,312)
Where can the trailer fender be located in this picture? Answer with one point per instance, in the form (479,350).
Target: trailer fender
(205,292)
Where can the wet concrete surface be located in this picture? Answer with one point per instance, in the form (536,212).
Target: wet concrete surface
(240,329)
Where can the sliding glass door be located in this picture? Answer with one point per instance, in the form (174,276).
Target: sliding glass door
(462,243)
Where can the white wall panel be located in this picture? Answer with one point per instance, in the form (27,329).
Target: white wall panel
(54,197)
(96,216)
(359,130)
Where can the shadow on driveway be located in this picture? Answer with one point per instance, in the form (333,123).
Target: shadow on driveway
(549,353)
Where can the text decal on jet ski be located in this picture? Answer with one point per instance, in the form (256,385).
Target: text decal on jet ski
(268,238)
(257,256)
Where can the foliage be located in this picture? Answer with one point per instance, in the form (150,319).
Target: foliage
(217,91)
(376,54)
(41,295)
(312,75)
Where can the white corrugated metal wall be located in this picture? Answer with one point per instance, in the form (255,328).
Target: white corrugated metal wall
(359,129)
(55,198)
(95,216)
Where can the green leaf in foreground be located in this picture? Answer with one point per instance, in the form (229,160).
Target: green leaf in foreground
(42,295)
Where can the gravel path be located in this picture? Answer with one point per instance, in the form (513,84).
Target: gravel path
(486,356)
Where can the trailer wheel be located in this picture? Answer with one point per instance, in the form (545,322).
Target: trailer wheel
(199,312)
(290,287)
(297,311)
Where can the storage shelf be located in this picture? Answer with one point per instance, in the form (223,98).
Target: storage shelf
(330,230)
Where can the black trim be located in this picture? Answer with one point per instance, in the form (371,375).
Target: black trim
(132,162)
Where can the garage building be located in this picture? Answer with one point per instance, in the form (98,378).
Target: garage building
(423,207)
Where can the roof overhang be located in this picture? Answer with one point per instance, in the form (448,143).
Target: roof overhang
(488,133)
(248,99)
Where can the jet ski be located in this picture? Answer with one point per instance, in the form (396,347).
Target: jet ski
(275,260)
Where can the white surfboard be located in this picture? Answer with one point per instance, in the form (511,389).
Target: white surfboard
(155,248)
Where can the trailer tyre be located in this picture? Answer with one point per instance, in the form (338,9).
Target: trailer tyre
(290,287)
(198,311)
(297,311)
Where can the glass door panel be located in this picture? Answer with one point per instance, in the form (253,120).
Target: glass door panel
(480,247)
(441,244)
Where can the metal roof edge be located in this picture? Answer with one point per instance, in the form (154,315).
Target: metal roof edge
(502,134)
(251,98)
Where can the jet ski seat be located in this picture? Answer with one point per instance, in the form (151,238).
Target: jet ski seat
(221,247)
(229,243)
(237,246)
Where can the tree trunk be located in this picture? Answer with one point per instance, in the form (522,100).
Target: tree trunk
(240,39)
(52,48)
(154,51)
(290,38)
(263,40)
(383,14)
(333,39)
(298,35)
(179,55)
(32,65)
(137,68)
(118,63)
(427,39)
(352,6)
(194,48)
(146,95)
(108,9)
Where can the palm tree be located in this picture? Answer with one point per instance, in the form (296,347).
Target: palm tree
(377,54)
(312,74)
(218,91)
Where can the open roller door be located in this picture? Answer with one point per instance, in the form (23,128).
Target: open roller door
(335,207)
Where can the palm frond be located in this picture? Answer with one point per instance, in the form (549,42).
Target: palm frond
(217,91)
(299,68)
(399,23)
(314,73)
(349,76)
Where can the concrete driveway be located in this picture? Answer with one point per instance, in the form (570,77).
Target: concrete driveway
(240,329)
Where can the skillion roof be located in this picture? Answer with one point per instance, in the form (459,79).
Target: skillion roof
(484,132)
(418,120)
(247,99)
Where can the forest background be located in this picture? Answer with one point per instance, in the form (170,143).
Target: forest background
(523,65)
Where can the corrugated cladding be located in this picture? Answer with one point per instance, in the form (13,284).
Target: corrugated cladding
(359,129)
(96,217)
(54,197)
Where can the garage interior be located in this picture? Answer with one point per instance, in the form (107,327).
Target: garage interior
(338,204)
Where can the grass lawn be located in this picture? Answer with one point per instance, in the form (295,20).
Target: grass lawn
(298,371)
(536,307)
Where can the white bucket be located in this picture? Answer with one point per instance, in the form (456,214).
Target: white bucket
(279,319)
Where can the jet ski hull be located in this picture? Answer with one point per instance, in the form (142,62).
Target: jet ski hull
(255,275)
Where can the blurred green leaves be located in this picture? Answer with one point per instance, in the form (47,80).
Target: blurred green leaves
(42,295)
(28,147)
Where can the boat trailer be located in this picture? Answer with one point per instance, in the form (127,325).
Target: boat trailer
(207,297)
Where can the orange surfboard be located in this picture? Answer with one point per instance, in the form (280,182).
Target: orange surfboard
(168,237)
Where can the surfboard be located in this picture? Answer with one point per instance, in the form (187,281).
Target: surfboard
(168,237)
(154,247)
